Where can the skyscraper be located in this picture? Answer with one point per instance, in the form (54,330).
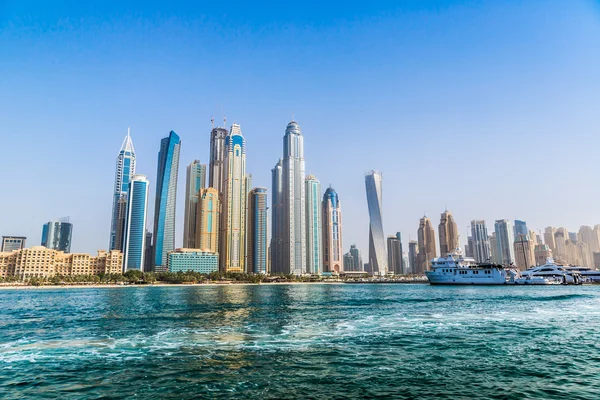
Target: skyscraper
(120,222)
(549,238)
(377,253)
(195,180)
(448,234)
(413,257)
(332,232)
(494,249)
(427,247)
(504,242)
(208,215)
(294,212)
(403,264)
(217,158)
(257,231)
(124,171)
(394,255)
(166,196)
(56,235)
(480,240)
(314,252)
(277,225)
(233,221)
(520,228)
(353,259)
(134,236)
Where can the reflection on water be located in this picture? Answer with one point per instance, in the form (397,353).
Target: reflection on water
(318,341)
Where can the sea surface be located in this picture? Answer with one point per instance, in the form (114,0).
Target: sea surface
(301,341)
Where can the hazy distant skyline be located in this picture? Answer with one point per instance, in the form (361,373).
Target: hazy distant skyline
(488,109)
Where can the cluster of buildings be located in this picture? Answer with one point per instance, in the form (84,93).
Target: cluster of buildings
(225,224)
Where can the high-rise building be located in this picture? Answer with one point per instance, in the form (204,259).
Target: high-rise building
(413,257)
(148,253)
(542,252)
(494,249)
(549,238)
(353,260)
(560,250)
(377,251)
(588,236)
(520,228)
(596,259)
(257,231)
(124,171)
(504,241)
(216,165)
(233,221)
(277,225)
(480,240)
(427,247)
(134,237)
(208,214)
(572,236)
(448,232)
(120,222)
(332,232)
(56,235)
(394,254)
(294,206)
(314,227)
(166,196)
(195,180)
(11,243)
(403,265)
(524,252)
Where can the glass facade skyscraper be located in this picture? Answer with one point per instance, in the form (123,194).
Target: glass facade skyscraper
(56,235)
(216,166)
(233,221)
(377,251)
(294,202)
(277,225)
(166,196)
(520,228)
(480,241)
(124,171)
(134,237)
(257,231)
(314,252)
(195,180)
(504,242)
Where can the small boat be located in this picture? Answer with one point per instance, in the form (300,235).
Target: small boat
(537,280)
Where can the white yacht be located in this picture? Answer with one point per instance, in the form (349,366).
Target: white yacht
(548,274)
(458,270)
(588,275)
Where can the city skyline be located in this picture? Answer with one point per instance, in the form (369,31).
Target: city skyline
(498,96)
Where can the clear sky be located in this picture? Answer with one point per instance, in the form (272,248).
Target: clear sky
(488,108)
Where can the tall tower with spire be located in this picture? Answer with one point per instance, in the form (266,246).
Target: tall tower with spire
(233,222)
(124,171)
(332,232)
(294,202)
(277,225)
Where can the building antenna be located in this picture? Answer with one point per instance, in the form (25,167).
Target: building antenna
(212,121)
(128,131)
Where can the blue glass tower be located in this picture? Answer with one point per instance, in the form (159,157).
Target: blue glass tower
(124,171)
(166,192)
(134,236)
(520,228)
(56,235)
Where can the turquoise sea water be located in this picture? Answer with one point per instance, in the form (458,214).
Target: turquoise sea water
(301,341)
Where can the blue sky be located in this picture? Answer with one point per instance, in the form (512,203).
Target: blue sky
(487,108)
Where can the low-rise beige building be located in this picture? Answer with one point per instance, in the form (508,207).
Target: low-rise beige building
(41,262)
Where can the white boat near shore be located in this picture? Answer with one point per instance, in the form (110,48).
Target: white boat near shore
(455,269)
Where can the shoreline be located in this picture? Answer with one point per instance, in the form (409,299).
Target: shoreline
(114,285)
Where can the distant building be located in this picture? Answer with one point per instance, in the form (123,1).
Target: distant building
(195,180)
(504,242)
(520,228)
(194,260)
(542,252)
(207,220)
(353,259)
(257,231)
(314,226)
(11,243)
(494,249)
(134,238)
(56,235)
(216,168)
(405,266)
(481,241)
(121,216)
(148,258)
(573,236)
(549,238)
(166,199)
(332,232)
(413,257)
(524,252)
(394,253)
(448,232)
(597,259)
(377,250)
(277,225)
(427,247)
